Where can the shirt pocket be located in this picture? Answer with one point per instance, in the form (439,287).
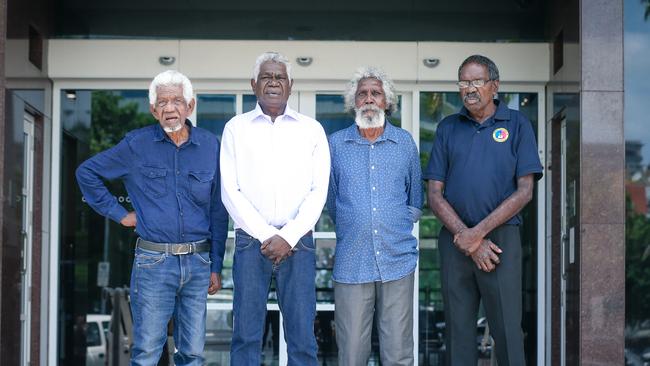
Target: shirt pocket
(154,179)
(201,186)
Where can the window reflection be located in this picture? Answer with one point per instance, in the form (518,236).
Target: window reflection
(637,182)
(214,110)
(248,102)
(92,122)
(324,265)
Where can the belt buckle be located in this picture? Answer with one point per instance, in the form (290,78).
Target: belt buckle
(183,249)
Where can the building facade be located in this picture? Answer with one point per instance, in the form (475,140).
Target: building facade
(75,79)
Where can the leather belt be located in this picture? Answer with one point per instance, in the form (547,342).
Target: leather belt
(174,248)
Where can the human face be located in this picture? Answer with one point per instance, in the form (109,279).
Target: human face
(170,108)
(370,93)
(478,101)
(272,87)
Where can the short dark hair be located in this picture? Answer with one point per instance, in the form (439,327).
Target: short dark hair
(493,71)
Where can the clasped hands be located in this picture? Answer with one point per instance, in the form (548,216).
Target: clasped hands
(276,249)
(482,250)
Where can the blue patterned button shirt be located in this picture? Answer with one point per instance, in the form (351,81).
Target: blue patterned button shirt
(375,197)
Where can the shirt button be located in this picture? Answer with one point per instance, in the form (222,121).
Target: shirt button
(372,146)
(375,231)
(181,214)
(372,167)
(178,172)
(377,253)
(374,188)
(374,208)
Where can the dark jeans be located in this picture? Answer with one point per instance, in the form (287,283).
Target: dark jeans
(295,279)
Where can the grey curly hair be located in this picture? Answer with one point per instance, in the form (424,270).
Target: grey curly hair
(369,72)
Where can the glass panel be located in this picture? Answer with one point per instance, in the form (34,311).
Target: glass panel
(434,106)
(330,113)
(92,334)
(325,332)
(271,339)
(214,110)
(324,265)
(218,336)
(225,295)
(637,178)
(396,118)
(92,122)
(249,101)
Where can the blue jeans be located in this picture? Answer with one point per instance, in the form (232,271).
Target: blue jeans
(162,286)
(295,280)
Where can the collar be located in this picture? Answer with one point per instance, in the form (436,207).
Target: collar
(501,114)
(288,112)
(390,134)
(160,135)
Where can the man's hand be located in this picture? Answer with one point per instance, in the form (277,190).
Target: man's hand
(468,240)
(485,257)
(276,249)
(215,283)
(129,220)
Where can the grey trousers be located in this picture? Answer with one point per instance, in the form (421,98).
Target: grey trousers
(463,287)
(392,305)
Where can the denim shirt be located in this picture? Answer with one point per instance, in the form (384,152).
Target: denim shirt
(375,197)
(175,191)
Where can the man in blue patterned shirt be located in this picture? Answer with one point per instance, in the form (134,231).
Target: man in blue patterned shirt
(375,197)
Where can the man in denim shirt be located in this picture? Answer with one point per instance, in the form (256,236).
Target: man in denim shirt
(375,197)
(171,172)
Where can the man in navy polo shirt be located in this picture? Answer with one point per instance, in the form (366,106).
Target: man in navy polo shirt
(483,166)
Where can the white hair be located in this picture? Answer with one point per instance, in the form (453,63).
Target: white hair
(273,57)
(369,72)
(170,78)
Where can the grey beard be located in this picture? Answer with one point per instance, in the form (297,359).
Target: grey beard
(363,122)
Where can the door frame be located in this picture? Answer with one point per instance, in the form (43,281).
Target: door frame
(27,193)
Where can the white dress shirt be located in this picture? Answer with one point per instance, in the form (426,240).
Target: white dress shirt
(274,175)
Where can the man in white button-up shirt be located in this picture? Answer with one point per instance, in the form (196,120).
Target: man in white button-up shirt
(275,167)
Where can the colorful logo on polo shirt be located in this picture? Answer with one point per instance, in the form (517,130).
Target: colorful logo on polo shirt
(500,135)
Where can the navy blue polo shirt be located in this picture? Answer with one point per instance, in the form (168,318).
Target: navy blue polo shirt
(479,163)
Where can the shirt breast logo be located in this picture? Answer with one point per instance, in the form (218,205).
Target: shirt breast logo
(500,135)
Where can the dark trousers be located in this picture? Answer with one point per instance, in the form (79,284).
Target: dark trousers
(463,287)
